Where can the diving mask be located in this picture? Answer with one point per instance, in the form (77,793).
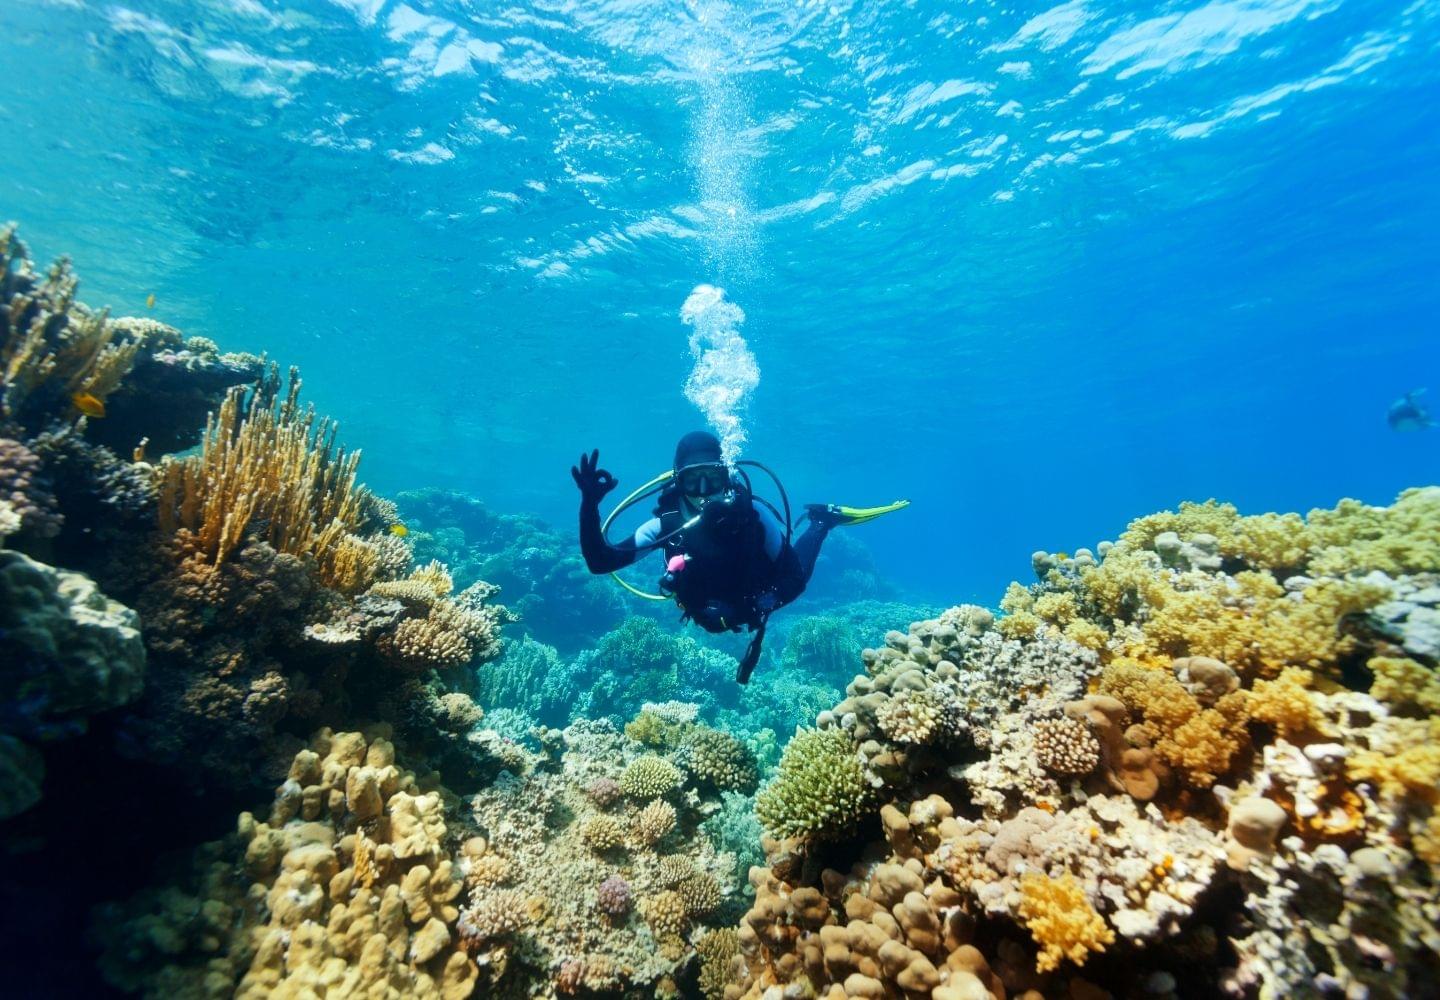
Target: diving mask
(704,480)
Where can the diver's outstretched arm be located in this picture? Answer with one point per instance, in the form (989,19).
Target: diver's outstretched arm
(600,555)
(594,483)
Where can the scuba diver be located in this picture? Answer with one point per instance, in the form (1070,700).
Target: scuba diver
(730,561)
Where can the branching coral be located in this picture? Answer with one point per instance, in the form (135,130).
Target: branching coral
(649,777)
(274,466)
(819,791)
(51,347)
(1062,920)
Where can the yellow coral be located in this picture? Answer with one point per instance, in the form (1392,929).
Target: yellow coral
(435,576)
(1087,634)
(1403,683)
(1062,920)
(1255,626)
(1401,538)
(1016,598)
(1262,541)
(1199,742)
(1286,703)
(1124,582)
(273,466)
(1019,625)
(1412,772)
(1056,608)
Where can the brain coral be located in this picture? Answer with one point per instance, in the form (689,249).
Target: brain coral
(819,791)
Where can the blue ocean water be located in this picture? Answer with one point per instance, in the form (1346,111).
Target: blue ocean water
(1039,270)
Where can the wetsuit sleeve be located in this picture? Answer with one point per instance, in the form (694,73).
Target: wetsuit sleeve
(600,555)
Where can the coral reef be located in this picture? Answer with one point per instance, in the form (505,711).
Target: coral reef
(349,885)
(538,569)
(69,652)
(570,855)
(1212,743)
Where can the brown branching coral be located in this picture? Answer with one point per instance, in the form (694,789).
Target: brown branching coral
(51,347)
(271,468)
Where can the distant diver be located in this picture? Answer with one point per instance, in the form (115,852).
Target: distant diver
(729,560)
(1407,415)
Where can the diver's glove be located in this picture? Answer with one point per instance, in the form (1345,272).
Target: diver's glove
(594,482)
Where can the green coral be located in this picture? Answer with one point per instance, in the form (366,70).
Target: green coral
(820,791)
(650,777)
(651,729)
(719,759)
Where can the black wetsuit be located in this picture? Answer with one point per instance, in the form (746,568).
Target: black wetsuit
(760,572)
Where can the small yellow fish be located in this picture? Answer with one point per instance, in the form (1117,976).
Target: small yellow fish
(88,404)
(399,530)
(150,301)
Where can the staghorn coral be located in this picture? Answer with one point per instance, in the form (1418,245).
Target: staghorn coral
(1062,920)
(668,918)
(275,466)
(717,949)
(654,821)
(700,892)
(52,348)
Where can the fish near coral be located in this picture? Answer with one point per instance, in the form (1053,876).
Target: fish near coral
(88,404)
(399,530)
(150,301)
